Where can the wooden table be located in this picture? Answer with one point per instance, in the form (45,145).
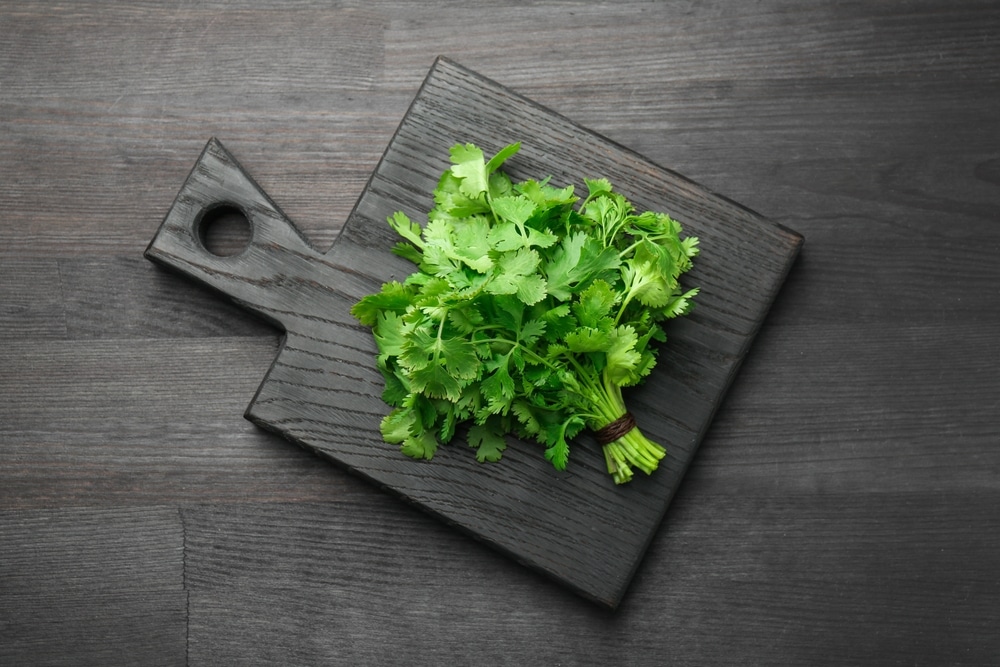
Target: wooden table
(843,509)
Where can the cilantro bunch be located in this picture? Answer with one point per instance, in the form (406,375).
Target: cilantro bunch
(528,313)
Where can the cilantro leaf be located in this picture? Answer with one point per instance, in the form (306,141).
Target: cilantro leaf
(577,259)
(595,303)
(515,274)
(505,236)
(558,454)
(456,356)
(588,339)
(516,210)
(393,297)
(406,228)
(389,332)
(498,388)
(622,357)
(469,166)
(451,203)
(502,156)
(407,251)
(530,332)
(435,382)
(402,427)
(471,244)
(597,186)
(489,441)
(544,195)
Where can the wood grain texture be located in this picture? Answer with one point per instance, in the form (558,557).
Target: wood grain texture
(111,628)
(142,546)
(97,419)
(841,509)
(324,391)
(766,558)
(84,586)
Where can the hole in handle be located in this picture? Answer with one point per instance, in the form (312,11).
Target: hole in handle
(224,230)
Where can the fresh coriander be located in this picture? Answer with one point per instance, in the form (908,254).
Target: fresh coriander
(528,313)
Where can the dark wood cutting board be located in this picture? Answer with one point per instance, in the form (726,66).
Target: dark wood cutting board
(323,390)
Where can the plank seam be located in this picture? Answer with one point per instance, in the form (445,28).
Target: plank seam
(184,585)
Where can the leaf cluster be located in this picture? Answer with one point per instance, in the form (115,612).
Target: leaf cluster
(528,310)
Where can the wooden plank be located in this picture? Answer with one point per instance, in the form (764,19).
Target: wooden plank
(93,422)
(94,629)
(100,103)
(87,586)
(89,550)
(804,578)
(119,297)
(899,433)
(23,313)
(718,622)
(323,392)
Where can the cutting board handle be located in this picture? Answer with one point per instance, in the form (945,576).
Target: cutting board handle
(251,275)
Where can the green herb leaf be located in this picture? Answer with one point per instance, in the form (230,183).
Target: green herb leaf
(489,441)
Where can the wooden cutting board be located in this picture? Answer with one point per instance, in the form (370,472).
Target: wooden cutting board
(323,390)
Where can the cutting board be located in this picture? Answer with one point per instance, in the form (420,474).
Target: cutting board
(323,390)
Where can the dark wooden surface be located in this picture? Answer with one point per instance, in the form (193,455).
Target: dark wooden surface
(844,507)
(324,391)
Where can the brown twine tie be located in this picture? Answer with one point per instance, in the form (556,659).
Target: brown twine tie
(615,429)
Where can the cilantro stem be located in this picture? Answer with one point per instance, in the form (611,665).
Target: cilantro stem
(629,249)
(440,336)
(621,311)
(516,344)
